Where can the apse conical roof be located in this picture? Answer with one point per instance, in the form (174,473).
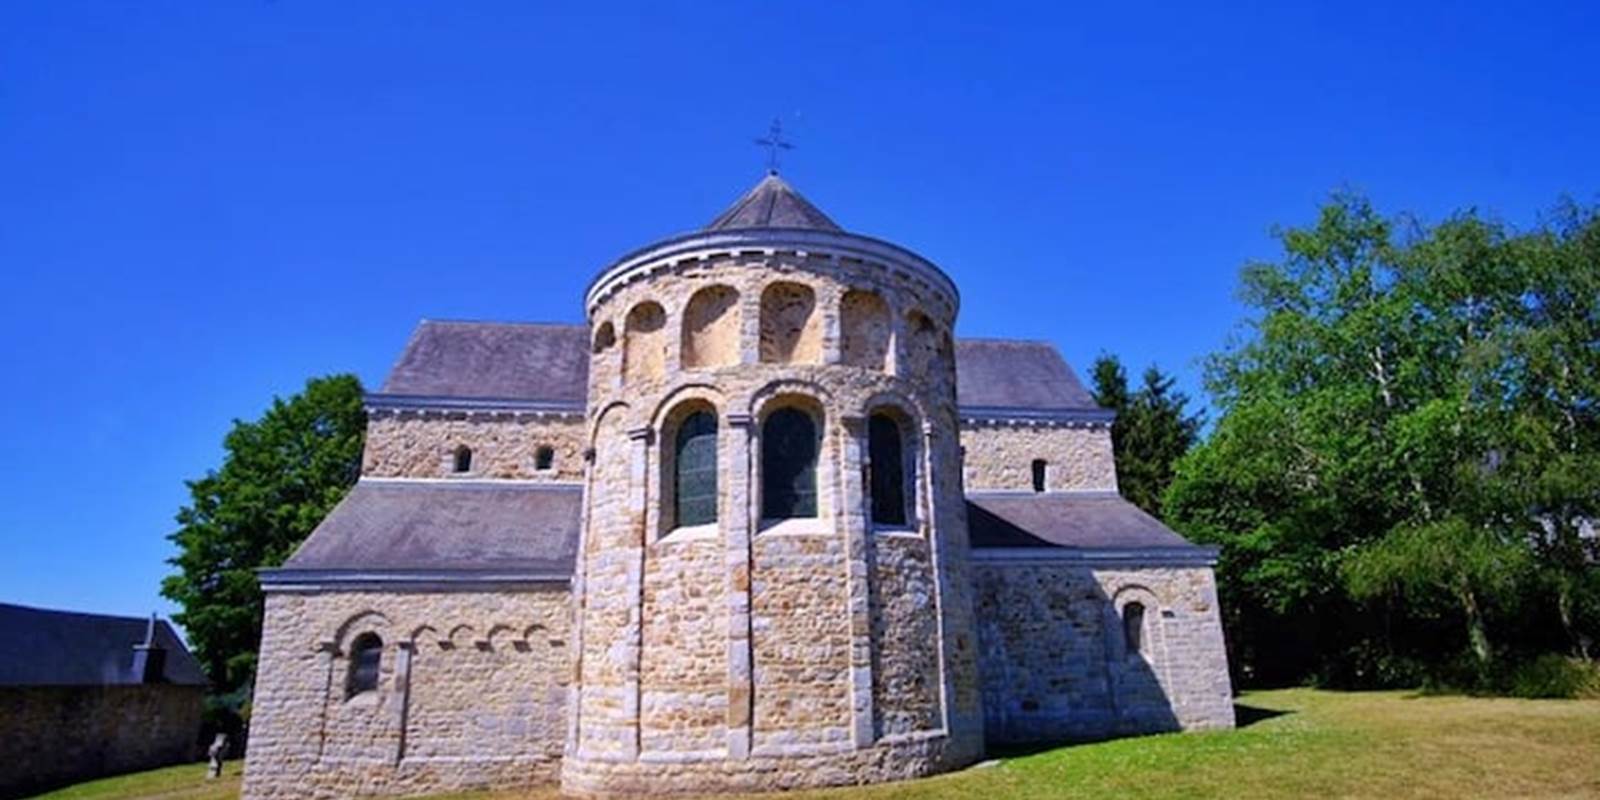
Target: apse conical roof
(773,203)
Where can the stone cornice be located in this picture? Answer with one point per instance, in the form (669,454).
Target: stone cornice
(427,405)
(1040,417)
(314,580)
(765,241)
(1109,557)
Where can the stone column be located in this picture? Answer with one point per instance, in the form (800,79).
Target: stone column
(939,528)
(639,440)
(859,558)
(402,680)
(737,528)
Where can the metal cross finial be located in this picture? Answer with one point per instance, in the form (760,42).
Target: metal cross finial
(774,142)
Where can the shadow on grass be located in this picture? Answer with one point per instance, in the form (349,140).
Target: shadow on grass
(1244,716)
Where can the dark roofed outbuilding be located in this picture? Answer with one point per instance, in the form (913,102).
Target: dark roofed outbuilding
(86,695)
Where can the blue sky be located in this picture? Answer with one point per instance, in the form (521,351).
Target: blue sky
(203,204)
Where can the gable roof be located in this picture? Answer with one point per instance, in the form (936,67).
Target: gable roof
(1017,374)
(525,531)
(529,362)
(44,647)
(773,203)
(1073,520)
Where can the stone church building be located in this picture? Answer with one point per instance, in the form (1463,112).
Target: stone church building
(762,522)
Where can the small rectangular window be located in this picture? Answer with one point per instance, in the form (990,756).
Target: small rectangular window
(1039,466)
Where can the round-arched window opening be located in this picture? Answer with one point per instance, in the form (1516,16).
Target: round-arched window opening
(694,475)
(366,657)
(788,465)
(462,461)
(544,458)
(887,476)
(1133,628)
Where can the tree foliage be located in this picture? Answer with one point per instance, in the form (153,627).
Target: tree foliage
(1153,429)
(1408,445)
(280,476)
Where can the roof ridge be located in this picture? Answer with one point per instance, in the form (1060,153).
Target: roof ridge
(505,323)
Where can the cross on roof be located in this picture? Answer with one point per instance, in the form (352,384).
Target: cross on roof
(774,142)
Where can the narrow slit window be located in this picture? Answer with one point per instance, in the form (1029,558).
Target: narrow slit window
(788,465)
(366,656)
(544,458)
(885,452)
(695,470)
(463,459)
(1039,467)
(1133,628)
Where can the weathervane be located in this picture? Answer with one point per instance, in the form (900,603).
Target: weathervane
(774,142)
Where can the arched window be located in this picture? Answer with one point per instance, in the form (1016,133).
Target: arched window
(366,655)
(788,465)
(694,470)
(544,458)
(1133,628)
(885,452)
(1039,466)
(463,459)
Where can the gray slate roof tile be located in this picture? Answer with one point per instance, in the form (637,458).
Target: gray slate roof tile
(44,647)
(447,526)
(1014,373)
(773,203)
(494,360)
(1064,519)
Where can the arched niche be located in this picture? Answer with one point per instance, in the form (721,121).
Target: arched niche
(711,328)
(866,330)
(791,329)
(645,352)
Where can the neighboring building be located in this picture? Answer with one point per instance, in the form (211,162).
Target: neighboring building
(761,523)
(87,695)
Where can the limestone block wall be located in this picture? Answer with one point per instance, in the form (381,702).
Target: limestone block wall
(747,653)
(54,735)
(1000,455)
(1054,659)
(410,445)
(471,693)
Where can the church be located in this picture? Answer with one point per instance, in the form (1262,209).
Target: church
(759,522)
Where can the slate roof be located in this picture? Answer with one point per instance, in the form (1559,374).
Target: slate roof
(1066,520)
(504,527)
(43,647)
(534,362)
(1018,374)
(773,203)
(549,363)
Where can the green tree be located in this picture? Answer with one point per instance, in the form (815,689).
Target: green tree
(280,476)
(1402,432)
(1152,431)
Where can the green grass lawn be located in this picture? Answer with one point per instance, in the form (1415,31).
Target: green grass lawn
(1299,742)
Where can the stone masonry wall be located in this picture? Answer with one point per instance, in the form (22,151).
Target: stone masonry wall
(472,693)
(1001,456)
(503,446)
(747,653)
(54,735)
(1054,661)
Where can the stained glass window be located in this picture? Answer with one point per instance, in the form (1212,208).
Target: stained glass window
(695,470)
(788,465)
